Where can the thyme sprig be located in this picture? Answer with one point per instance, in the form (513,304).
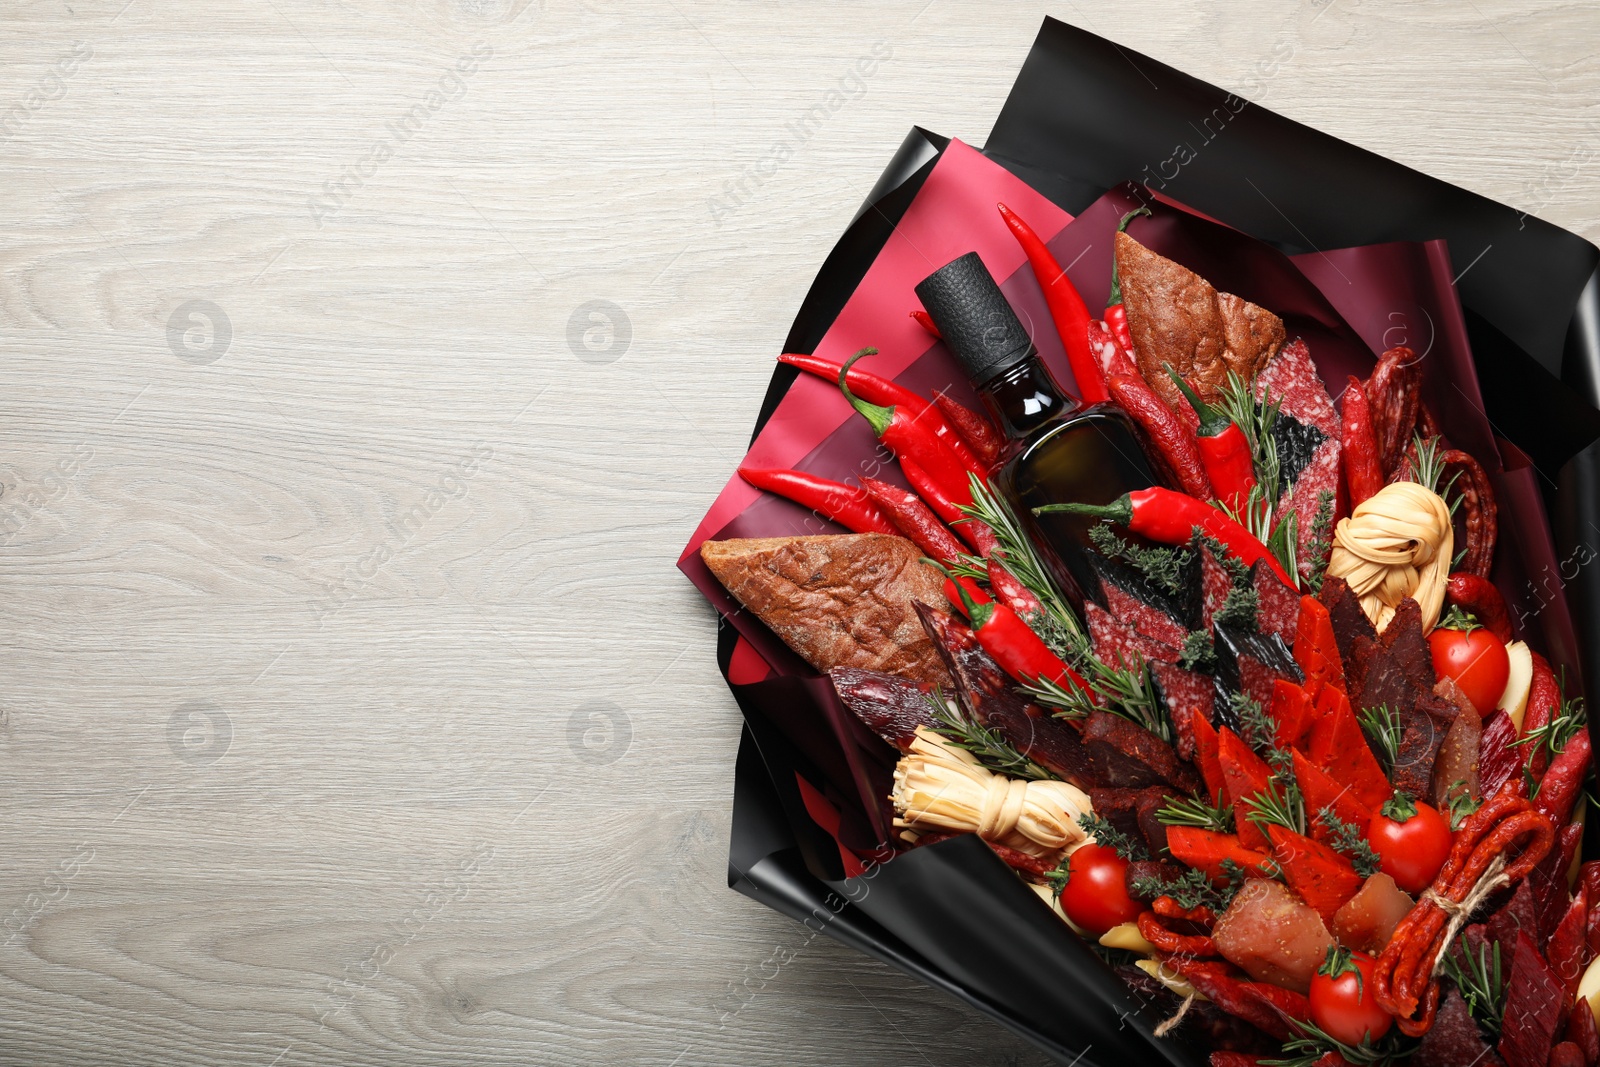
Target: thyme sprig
(1192,889)
(1104,833)
(1347,838)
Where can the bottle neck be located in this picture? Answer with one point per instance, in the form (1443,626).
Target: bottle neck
(1024,397)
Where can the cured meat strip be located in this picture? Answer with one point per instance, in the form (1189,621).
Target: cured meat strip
(891,707)
(1349,621)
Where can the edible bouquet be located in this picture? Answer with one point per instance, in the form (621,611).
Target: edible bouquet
(1130,619)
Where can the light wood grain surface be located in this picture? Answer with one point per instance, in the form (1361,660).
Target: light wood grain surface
(353,711)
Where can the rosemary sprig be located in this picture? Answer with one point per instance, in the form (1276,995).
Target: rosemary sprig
(1553,736)
(1382,725)
(1192,811)
(1480,980)
(1314,1043)
(987,747)
(1016,551)
(1100,828)
(1280,804)
(1348,839)
(1127,691)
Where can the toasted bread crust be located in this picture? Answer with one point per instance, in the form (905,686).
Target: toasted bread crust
(839,601)
(1177,317)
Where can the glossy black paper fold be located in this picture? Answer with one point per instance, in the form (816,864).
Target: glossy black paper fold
(1083,116)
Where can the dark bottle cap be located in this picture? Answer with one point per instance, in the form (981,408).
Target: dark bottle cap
(977,323)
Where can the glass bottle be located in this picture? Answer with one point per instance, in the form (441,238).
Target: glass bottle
(1060,449)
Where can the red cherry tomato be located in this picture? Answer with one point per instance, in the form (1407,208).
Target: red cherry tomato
(1475,658)
(1412,842)
(1342,1000)
(1096,896)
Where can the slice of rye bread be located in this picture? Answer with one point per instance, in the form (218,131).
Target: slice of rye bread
(1178,318)
(842,600)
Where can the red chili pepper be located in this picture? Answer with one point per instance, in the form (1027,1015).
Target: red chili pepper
(925,320)
(842,503)
(1017,649)
(1067,308)
(914,519)
(1170,436)
(979,434)
(880,390)
(1363,473)
(1224,449)
(1480,597)
(906,436)
(1012,593)
(1169,517)
(1116,313)
(954,587)
(973,532)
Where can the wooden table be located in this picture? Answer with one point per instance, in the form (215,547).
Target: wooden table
(367,366)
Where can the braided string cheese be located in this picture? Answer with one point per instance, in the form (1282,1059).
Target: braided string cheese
(1396,544)
(938,786)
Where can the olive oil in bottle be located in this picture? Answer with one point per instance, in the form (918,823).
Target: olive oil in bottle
(1060,451)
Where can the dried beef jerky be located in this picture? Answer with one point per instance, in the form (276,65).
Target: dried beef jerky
(1344,612)
(1455,1040)
(1127,754)
(1534,1002)
(1132,811)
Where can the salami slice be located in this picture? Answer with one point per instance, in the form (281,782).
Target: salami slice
(1185,694)
(1277,606)
(1119,644)
(1215,581)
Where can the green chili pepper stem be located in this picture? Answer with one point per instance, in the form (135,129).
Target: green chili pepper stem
(1212,421)
(977,614)
(1118,511)
(876,414)
(1116,283)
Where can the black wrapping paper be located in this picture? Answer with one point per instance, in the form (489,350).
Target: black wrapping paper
(1084,116)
